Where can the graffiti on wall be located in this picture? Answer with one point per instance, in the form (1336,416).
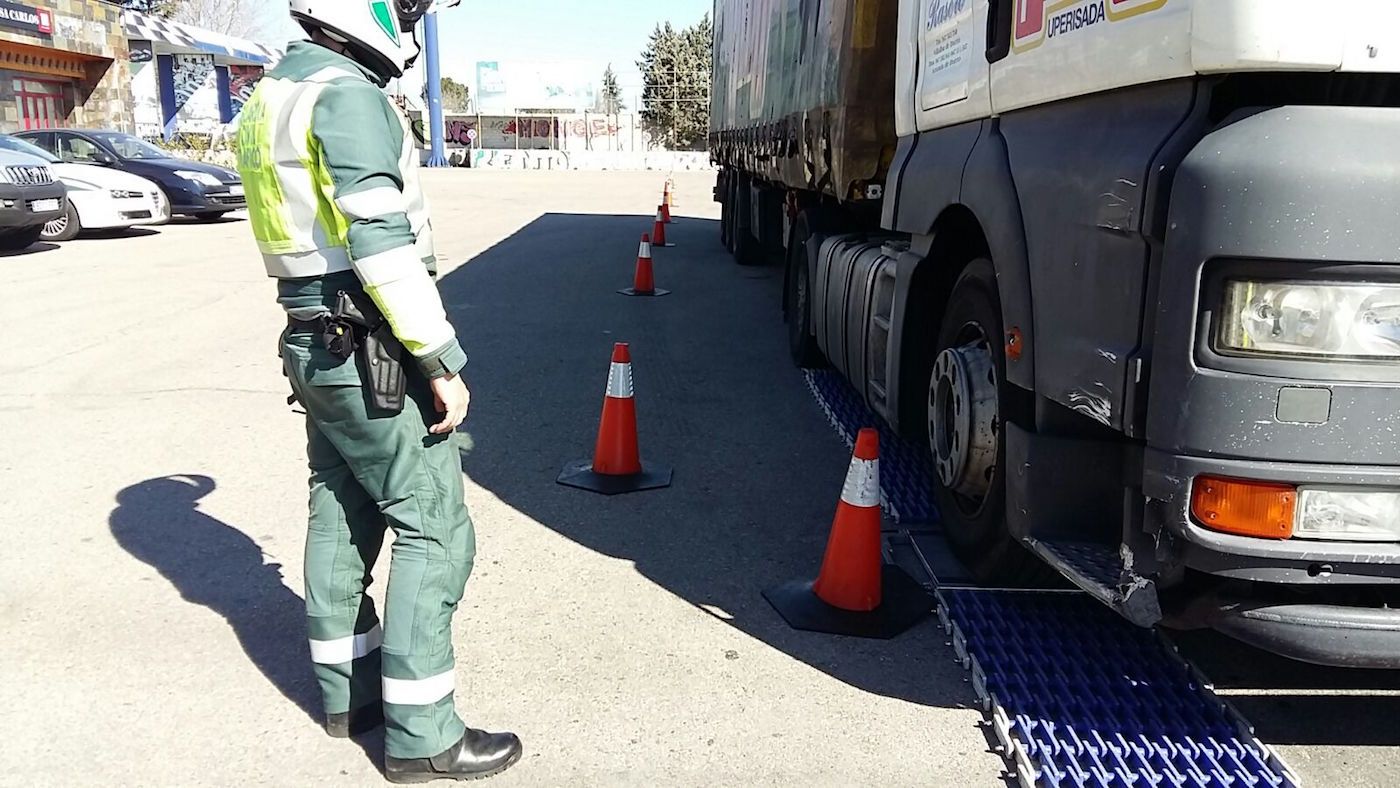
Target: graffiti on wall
(573,133)
(663,161)
(196,94)
(241,81)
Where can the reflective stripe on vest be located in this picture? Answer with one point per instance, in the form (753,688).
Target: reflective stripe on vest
(300,228)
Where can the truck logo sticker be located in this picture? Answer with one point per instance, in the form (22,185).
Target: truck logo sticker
(942,11)
(1038,20)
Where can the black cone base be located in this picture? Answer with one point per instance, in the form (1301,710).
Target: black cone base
(580,474)
(657,293)
(904,603)
(663,246)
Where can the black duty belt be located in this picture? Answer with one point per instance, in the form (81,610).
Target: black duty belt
(357,327)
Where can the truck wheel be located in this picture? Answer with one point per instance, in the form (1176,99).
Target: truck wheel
(747,250)
(806,354)
(726,221)
(968,399)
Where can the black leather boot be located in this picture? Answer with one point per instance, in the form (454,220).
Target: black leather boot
(478,755)
(354,723)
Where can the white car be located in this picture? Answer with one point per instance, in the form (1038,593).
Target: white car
(98,197)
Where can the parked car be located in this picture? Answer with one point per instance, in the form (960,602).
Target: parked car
(192,188)
(30,197)
(98,197)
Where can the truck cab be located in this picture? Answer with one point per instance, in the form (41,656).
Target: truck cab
(1133,276)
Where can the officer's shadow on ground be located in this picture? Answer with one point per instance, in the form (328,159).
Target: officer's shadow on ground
(217,566)
(757,470)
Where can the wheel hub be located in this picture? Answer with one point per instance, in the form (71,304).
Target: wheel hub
(56,226)
(963,419)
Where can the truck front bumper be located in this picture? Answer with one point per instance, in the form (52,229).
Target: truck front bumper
(1316,601)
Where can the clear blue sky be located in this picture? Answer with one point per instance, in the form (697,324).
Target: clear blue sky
(592,34)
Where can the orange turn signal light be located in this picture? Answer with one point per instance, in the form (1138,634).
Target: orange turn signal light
(1235,506)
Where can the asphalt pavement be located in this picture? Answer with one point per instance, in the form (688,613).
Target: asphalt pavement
(150,557)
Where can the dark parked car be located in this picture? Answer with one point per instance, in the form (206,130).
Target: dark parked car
(192,188)
(30,197)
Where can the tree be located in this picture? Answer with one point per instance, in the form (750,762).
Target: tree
(456,96)
(610,97)
(676,75)
(154,7)
(250,19)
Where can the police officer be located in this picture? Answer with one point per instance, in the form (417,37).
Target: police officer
(331,171)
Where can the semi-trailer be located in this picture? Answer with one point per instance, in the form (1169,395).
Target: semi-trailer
(1130,269)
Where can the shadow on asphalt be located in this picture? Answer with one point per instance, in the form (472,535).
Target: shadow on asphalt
(1291,702)
(217,566)
(757,469)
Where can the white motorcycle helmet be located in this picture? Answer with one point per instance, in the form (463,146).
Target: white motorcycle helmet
(380,34)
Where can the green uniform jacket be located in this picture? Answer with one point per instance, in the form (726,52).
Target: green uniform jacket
(331,170)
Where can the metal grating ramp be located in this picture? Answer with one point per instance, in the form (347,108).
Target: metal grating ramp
(1077,696)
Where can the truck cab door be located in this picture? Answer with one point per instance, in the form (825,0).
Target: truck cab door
(944,78)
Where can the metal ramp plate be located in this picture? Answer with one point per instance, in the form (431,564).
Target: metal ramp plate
(1077,695)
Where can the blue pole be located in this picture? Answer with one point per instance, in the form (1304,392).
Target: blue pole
(435,122)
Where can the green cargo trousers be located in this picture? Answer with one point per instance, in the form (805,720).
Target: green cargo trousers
(372,471)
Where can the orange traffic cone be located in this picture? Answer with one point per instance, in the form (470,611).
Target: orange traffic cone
(855,593)
(669,195)
(644,281)
(617,466)
(665,213)
(658,229)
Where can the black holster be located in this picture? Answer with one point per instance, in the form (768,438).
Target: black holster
(357,326)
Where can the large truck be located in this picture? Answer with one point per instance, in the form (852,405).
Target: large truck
(1130,269)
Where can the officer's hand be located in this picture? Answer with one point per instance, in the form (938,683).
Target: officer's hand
(453,400)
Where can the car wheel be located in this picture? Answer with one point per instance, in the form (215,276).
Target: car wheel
(969,401)
(64,228)
(19,240)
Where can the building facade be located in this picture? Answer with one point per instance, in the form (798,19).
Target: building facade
(63,63)
(89,64)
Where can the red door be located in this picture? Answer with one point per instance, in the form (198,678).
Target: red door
(42,104)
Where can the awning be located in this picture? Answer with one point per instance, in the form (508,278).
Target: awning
(186,39)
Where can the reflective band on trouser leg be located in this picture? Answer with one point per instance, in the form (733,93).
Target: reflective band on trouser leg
(347,649)
(419,692)
(862,483)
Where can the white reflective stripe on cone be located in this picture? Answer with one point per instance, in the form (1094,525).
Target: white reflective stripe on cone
(644,250)
(419,692)
(342,650)
(862,483)
(620,381)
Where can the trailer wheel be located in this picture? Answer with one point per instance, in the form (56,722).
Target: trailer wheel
(967,402)
(746,248)
(726,221)
(802,344)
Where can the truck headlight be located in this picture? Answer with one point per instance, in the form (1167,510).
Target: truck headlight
(1348,515)
(1311,319)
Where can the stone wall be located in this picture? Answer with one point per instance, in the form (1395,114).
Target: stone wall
(93,28)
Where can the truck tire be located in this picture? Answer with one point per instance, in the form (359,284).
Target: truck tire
(747,250)
(726,221)
(65,227)
(802,344)
(968,399)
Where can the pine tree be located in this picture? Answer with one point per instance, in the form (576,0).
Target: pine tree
(676,76)
(610,97)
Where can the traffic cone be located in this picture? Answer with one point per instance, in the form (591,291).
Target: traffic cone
(658,230)
(669,194)
(644,281)
(617,466)
(855,593)
(666,212)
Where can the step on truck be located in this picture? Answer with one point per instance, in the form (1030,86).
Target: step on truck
(1130,269)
